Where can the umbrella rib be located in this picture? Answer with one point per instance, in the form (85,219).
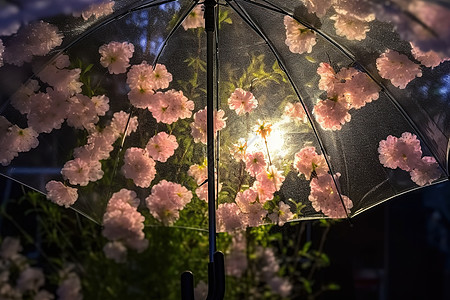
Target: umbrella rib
(350,55)
(247,19)
(172,31)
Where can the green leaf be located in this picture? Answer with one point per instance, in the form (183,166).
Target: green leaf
(88,68)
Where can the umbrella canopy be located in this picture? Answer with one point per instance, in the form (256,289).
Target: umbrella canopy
(321,109)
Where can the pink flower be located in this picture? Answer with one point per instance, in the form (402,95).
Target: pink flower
(122,222)
(202,191)
(198,127)
(349,27)
(171,106)
(319,7)
(20,100)
(61,194)
(139,167)
(327,76)
(166,200)
(299,39)
(255,163)
(82,112)
(123,124)
(48,111)
(79,171)
(101,104)
(281,214)
(428,58)
(245,199)
(139,77)
(199,172)
(324,197)
(273,175)
(397,68)
(116,251)
(97,10)
(236,263)
(426,171)
(142,98)
(35,39)
(238,150)
(331,114)
(63,80)
(265,189)
(116,56)
(69,287)
(359,90)
(161,77)
(30,279)
(308,162)
(242,101)
(230,218)
(404,152)
(10,248)
(162,146)
(194,19)
(20,140)
(296,112)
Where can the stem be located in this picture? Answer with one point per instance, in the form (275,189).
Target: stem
(268,154)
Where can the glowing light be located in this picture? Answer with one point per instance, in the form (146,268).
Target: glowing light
(275,141)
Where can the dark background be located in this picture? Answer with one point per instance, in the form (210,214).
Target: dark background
(397,250)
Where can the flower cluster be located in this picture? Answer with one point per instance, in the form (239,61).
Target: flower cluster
(14,139)
(347,89)
(166,200)
(139,167)
(70,285)
(236,260)
(61,194)
(352,19)
(318,7)
(242,101)
(19,280)
(35,39)
(194,19)
(296,112)
(116,56)
(268,271)
(97,10)
(406,153)
(324,195)
(299,39)
(198,127)
(429,58)
(170,106)
(397,68)
(162,146)
(123,225)
(86,166)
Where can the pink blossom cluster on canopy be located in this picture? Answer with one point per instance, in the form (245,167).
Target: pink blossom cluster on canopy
(198,127)
(97,10)
(323,195)
(406,153)
(116,56)
(123,224)
(347,89)
(242,101)
(14,139)
(398,68)
(194,19)
(35,39)
(299,39)
(166,200)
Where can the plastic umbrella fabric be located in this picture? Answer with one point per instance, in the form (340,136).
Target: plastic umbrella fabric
(321,109)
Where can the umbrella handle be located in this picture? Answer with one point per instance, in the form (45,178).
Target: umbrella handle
(216,280)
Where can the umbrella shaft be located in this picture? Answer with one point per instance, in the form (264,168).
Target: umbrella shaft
(209,27)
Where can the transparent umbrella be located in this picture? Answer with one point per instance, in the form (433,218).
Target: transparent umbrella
(322,109)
